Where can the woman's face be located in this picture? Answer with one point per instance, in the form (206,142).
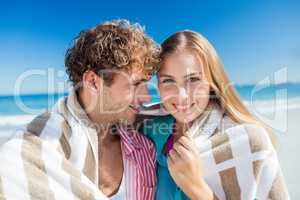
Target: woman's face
(182,86)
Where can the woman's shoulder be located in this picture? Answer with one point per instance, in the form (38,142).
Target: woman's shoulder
(259,137)
(255,136)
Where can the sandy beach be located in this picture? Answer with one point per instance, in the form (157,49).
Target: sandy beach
(289,153)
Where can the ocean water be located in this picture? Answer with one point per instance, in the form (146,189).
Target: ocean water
(16,111)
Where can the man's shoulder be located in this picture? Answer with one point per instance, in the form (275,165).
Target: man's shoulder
(49,123)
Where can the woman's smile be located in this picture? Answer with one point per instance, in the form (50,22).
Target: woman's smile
(183,108)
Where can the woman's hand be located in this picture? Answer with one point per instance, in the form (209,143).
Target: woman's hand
(186,170)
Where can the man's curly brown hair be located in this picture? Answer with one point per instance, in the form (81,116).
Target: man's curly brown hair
(114,45)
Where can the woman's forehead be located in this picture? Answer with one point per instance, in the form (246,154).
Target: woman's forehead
(181,64)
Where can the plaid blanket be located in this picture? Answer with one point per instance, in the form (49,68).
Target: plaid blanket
(239,160)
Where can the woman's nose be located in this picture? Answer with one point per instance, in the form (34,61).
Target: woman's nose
(183,96)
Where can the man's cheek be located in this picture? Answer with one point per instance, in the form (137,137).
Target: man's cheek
(124,102)
(129,98)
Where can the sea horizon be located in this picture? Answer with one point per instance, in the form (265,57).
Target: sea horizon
(16,111)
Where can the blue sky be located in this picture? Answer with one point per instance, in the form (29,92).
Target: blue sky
(254,38)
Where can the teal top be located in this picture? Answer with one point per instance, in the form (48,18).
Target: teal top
(158,130)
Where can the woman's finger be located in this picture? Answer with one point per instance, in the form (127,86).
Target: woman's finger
(170,162)
(174,155)
(186,142)
(181,150)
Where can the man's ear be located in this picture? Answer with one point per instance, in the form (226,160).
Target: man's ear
(91,80)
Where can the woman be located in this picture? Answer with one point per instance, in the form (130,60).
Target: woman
(209,146)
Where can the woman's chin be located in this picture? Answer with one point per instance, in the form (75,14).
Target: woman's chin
(185,118)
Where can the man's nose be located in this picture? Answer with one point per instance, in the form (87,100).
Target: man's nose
(143,96)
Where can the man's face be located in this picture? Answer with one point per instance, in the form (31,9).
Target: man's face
(122,100)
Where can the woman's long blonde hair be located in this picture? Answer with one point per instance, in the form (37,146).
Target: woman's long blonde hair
(214,72)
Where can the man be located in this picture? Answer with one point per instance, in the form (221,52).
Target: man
(85,145)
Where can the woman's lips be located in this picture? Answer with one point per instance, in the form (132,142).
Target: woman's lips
(183,108)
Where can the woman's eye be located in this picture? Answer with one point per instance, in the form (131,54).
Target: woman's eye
(193,79)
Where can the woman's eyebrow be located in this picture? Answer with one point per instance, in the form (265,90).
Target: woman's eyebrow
(192,74)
